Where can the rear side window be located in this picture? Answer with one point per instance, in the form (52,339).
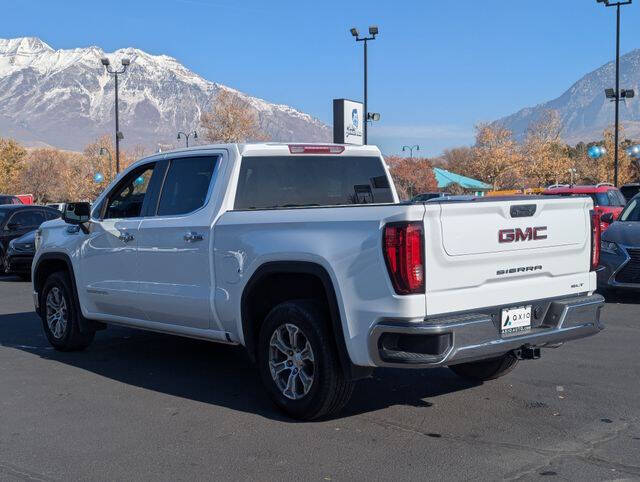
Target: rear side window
(292,181)
(186,185)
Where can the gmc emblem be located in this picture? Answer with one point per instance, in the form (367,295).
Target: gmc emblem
(516,235)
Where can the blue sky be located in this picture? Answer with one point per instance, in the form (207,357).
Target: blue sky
(436,69)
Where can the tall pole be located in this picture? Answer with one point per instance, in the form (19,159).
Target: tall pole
(365,94)
(615,149)
(117,130)
(373,31)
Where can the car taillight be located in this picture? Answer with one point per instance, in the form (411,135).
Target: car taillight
(403,247)
(595,240)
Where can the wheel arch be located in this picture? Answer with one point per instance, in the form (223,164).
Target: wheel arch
(292,269)
(49,263)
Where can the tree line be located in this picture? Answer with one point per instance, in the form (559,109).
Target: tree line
(496,158)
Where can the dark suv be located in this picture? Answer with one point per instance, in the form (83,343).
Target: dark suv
(7,199)
(18,219)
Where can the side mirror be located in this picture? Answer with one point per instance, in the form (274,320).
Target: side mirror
(76,213)
(607,218)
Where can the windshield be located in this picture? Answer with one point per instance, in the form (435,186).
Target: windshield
(632,211)
(612,197)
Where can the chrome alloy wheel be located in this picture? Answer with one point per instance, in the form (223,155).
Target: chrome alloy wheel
(57,313)
(291,361)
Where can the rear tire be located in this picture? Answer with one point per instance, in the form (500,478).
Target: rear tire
(484,370)
(298,362)
(60,314)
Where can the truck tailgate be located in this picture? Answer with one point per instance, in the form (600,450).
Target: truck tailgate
(496,252)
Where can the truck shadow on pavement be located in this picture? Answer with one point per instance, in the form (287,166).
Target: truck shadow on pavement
(212,373)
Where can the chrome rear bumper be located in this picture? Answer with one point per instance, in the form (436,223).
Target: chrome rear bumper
(475,336)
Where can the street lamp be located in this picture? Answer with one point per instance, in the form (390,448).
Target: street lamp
(104,150)
(186,136)
(373,31)
(410,149)
(115,73)
(616,94)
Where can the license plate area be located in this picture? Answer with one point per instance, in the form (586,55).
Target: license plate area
(515,320)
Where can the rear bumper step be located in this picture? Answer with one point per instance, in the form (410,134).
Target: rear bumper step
(475,336)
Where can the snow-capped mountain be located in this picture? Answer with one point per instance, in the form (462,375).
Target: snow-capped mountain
(584,110)
(64,98)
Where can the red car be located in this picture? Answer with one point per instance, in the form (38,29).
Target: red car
(606,198)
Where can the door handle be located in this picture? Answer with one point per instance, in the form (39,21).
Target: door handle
(126,237)
(192,237)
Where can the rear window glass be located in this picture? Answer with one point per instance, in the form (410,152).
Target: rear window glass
(292,181)
(186,185)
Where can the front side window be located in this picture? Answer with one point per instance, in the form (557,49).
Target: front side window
(632,211)
(290,181)
(186,185)
(127,198)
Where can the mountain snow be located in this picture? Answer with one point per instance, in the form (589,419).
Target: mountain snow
(65,98)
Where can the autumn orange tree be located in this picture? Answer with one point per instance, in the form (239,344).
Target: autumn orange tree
(412,176)
(545,158)
(231,119)
(497,159)
(11,163)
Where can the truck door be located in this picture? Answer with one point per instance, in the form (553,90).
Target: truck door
(108,258)
(174,245)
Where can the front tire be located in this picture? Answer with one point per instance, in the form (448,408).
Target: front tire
(481,371)
(60,316)
(298,362)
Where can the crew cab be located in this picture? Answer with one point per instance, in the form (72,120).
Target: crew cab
(607,199)
(304,255)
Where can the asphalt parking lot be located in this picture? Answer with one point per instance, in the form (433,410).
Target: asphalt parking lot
(139,405)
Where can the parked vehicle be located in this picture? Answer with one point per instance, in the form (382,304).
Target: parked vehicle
(620,251)
(606,198)
(19,255)
(303,255)
(17,220)
(428,196)
(25,198)
(630,190)
(7,199)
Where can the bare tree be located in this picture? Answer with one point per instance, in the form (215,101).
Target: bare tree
(231,120)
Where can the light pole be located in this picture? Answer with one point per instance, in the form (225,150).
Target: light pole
(373,31)
(186,136)
(617,95)
(115,73)
(410,149)
(102,151)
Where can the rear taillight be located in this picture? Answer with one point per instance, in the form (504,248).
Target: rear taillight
(595,240)
(403,247)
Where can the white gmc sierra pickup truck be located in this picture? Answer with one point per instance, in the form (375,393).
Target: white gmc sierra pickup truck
(303,255)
